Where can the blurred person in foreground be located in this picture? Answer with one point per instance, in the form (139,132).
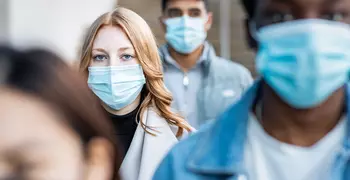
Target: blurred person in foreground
(293,124)
(202,83)
(51,125)
(121,61)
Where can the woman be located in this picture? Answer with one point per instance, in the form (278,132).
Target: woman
(120,58)
(48,129)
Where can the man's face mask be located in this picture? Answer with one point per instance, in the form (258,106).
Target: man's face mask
(185,34)
(302,61)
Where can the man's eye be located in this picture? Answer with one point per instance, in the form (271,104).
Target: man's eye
(99,57)
(334,16)
(279,17)
(174,13)
(194,13)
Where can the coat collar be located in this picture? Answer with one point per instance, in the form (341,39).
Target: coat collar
(220,149)
(207,57)
(146,151)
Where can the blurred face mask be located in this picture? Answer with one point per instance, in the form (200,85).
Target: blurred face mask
(304,61)
(116,86)
(185,34)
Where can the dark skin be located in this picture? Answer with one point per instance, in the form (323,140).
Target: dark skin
(302,127)
(192,8)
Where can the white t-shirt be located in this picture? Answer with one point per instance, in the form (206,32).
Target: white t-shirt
(266,158)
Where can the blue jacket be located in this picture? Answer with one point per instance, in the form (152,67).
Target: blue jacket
(217,150)
(219,75)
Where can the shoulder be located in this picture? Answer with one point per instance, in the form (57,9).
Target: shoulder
(230,67)
(186,145)
(175,163)
(229,71)
(163,51)
(154,119)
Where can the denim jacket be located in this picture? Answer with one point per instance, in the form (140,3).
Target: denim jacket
(217,150)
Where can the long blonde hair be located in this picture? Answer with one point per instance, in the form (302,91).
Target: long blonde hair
(145,46)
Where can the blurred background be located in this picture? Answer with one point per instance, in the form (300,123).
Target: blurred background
(56,24)
(226,34)
(60,24)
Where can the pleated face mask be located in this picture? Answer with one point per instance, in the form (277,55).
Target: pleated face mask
(116,86)
(304,61)
(185,34)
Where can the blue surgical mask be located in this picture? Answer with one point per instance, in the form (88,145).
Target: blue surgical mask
(116,86)
(304,61)
(185,34)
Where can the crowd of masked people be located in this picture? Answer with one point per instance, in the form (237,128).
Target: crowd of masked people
(136,111)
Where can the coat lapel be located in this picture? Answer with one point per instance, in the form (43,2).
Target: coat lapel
(146,151)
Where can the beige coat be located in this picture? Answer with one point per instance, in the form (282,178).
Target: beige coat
(147,151)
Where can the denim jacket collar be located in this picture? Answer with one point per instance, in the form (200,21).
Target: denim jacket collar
(220,150)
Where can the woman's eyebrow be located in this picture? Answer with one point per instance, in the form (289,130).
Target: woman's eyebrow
(100,50)
(122,49)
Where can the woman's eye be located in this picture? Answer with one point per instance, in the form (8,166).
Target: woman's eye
(127,57)
(99,57)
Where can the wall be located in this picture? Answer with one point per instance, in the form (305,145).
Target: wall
(4,17)
(55,24)
(150,10)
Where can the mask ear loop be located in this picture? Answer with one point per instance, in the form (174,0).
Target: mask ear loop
(253,30)
(255,36)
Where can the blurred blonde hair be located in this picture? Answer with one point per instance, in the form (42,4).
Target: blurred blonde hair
(146,49)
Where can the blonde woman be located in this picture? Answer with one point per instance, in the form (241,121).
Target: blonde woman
(120,58)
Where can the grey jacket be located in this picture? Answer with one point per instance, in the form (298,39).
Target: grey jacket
(223,84)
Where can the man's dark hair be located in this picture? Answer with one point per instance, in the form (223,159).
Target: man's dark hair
(249,7)
(165,2)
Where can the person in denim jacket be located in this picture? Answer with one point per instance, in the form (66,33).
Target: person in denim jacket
(292,124)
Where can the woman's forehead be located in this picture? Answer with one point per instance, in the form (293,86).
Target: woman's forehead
(111,38)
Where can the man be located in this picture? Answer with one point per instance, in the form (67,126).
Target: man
(202,83)
(293,124)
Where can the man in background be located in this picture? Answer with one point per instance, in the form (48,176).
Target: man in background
(202,84)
